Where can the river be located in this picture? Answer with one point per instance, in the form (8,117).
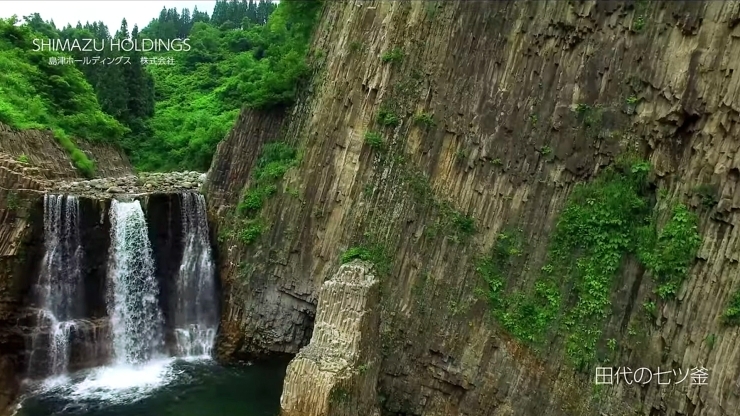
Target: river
(193,387)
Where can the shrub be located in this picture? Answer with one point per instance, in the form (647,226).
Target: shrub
(425,119)
(374,140)
(387,118)
(394,55)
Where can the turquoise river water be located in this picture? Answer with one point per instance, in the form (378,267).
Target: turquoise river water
(194,387)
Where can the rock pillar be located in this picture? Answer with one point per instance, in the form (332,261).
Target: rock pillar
(336,373)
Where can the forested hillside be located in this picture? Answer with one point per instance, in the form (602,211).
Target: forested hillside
(166,116)
(36,94)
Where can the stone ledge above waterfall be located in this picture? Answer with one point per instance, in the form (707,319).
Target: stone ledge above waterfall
(141,184)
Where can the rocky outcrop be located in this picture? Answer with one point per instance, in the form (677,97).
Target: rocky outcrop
(528,99)
(336,373)
(132,185)
(41,151)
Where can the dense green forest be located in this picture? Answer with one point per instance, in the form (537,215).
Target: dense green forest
(166,117)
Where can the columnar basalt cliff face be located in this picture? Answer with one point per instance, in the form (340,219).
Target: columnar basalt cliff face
(21,222)
(528,99)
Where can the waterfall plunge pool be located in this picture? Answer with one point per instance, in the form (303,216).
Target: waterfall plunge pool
(137,382)
(169,387)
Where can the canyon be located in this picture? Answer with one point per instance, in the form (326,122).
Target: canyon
(529,99)
(427,134)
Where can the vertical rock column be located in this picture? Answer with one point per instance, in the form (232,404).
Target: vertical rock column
(336,373)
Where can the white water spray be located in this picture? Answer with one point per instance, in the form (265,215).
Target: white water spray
(136,319)
(196,316)
(57,292)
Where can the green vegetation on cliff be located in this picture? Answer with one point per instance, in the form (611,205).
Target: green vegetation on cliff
(371,251)
(732,313)
(274,161)
(603,221)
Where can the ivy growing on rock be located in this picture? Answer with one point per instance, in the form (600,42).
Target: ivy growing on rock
(732,313)
(394,55)
(603,221)
(274,161)
(374,140)
(669,257)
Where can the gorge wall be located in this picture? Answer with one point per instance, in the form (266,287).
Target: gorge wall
(528,100)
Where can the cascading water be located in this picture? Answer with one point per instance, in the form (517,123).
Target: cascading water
(141,380)
(196,316)
(136,320)
(57,292)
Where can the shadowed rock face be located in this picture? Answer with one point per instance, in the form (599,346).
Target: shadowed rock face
(95,237)
(166,238)
(336,373)
(508,84)
(88,345)
(22,248)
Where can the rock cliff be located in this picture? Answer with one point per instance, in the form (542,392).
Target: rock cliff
(336,373)
(42,154)
(431,128)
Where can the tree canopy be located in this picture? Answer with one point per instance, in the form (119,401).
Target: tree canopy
(166,116)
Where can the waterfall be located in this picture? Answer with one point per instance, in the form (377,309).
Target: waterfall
(57,291)
(136,319)
(196,314)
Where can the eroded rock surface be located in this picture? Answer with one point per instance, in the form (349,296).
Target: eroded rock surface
(132,185)
(508,84)
(336,373)
(41,153)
